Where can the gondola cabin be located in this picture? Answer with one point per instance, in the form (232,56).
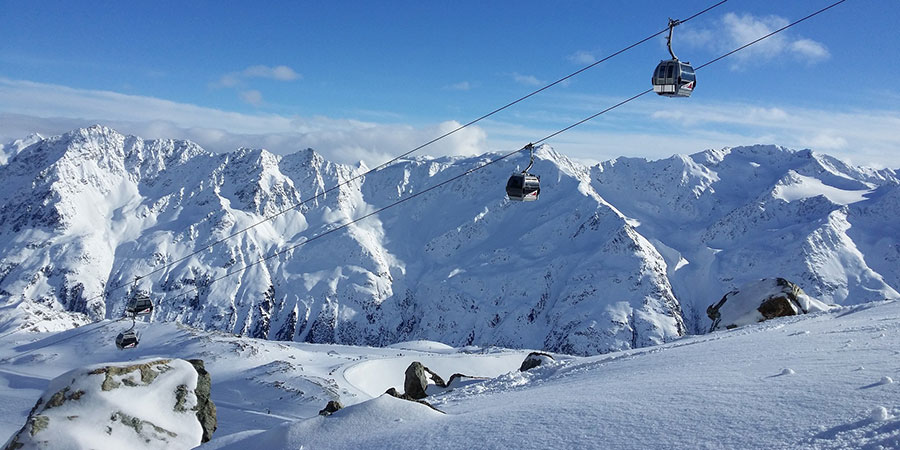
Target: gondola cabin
(674,78)
(523,187)
(138,305)
(127,339)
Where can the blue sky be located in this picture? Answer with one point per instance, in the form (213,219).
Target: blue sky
(367,80)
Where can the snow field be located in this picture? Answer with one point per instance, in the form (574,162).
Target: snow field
(728,389)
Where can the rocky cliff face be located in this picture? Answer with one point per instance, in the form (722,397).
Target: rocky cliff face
(605,260)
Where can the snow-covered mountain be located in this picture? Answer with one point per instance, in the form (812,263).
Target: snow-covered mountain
(621,255)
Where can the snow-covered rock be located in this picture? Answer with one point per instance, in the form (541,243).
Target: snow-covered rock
(371,424)
(146,404)
(765,299)
(535,359)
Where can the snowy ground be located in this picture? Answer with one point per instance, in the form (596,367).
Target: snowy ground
(827,380)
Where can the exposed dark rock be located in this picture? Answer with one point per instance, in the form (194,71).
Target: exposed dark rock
(457,376)
(143,428)
(61,397)
(394,393)
(418,377)
(535,359)
(332,407)
(146,370)
(39,424)
(206,409)
(770,298)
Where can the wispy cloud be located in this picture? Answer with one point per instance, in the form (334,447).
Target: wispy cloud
(862,136)
(252,97)
(582,57)
(642,129)
(811,50)
(27,107)
(734,30)
(527,80)
(279,73)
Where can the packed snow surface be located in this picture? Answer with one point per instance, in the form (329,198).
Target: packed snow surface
(804,382)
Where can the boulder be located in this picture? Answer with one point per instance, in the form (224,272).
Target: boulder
(535,359)
(418,377)
(761,300)
(157,403)
(332,407)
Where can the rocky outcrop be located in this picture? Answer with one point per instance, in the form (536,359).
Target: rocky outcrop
(762,300)
(332,407)
(418,377)
(535,359)
(150,404)
(205,408)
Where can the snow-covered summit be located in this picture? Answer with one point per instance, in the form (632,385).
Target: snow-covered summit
(15,146)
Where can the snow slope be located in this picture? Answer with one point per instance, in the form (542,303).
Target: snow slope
(823,381)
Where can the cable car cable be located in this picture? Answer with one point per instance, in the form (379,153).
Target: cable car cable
(395,159)
(507,155)
(461,175)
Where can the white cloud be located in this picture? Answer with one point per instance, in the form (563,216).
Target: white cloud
(27,107)
(527,80)
(582,57)
(641,129)
(735,30)
(279,73)
(827,142)
(811,50)
(868,137)
(252,97)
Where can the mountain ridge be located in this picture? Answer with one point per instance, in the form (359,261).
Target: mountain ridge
(624,254)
